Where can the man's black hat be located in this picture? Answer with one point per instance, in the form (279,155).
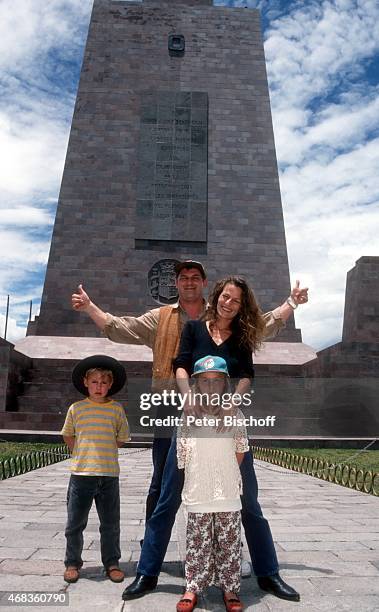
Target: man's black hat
(103,362)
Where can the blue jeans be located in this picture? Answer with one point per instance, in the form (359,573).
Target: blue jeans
(161,447)
(257,530)
(158,528)
(82,490)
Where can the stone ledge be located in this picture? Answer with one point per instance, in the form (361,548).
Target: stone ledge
(63,347)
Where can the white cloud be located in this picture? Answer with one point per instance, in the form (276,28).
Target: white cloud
(23,263)
(14,249)
(32,28)
(325,122)
(32,155)
(317,45)
(25,216)
(15,331)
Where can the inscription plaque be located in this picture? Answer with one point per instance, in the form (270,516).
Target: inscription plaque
(173,167)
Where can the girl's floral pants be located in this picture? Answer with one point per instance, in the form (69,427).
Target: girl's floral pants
(213,551)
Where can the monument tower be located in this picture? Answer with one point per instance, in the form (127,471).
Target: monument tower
(171,155)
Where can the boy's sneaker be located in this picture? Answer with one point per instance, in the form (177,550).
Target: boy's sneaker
(71,574)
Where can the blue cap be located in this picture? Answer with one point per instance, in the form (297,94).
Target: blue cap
(210,364)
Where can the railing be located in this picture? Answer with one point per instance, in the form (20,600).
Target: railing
(21,464)
(342,474)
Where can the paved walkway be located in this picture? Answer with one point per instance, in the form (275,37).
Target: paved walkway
(327,541)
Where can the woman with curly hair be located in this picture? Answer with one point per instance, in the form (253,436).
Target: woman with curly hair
(232,327)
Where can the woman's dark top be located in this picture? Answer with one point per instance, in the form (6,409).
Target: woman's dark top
(196,342)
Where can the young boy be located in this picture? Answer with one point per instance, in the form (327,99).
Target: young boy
(93,430)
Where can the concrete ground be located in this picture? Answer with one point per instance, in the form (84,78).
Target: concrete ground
(326,537)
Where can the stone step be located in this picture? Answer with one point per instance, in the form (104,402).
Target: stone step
(48,388)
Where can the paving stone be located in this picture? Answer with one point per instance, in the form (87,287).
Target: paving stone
(22,567)
(16,553)
(330,569)
(27,538)
(331,536)
(330,585)
(322,545)
(31,582)
(278,530)
(43,530)
(55,554)
(369,523)
(22,515)
(309,556)
(8,523)
(323,604)
(337,568)
(57,527)
(358,555)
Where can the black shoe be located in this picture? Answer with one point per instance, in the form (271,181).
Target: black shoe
(276,586)
(140,585)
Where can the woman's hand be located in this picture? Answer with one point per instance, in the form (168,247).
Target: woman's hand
(299,295)
(192,409)
(231,412)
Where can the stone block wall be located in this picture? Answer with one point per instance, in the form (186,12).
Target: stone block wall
(13,368)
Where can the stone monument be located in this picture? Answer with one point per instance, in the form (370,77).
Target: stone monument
(171,155)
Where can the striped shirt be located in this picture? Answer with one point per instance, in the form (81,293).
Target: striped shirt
(97,427)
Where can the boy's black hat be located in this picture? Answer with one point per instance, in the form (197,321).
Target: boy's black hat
(103,362)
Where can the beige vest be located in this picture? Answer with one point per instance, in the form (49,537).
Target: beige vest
(166,344)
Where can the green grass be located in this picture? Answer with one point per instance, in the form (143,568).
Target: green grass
(365,460)
(12,449)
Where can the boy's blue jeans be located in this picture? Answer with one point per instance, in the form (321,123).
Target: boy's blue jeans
(159,526)
(82,490)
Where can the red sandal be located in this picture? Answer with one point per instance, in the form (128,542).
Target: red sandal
(186,603)
(232,603)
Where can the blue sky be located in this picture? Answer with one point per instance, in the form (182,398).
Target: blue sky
(323,68)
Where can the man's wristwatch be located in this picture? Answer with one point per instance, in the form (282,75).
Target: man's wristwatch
(291,302)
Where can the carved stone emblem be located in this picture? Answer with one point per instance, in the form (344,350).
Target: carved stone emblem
(161,281)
